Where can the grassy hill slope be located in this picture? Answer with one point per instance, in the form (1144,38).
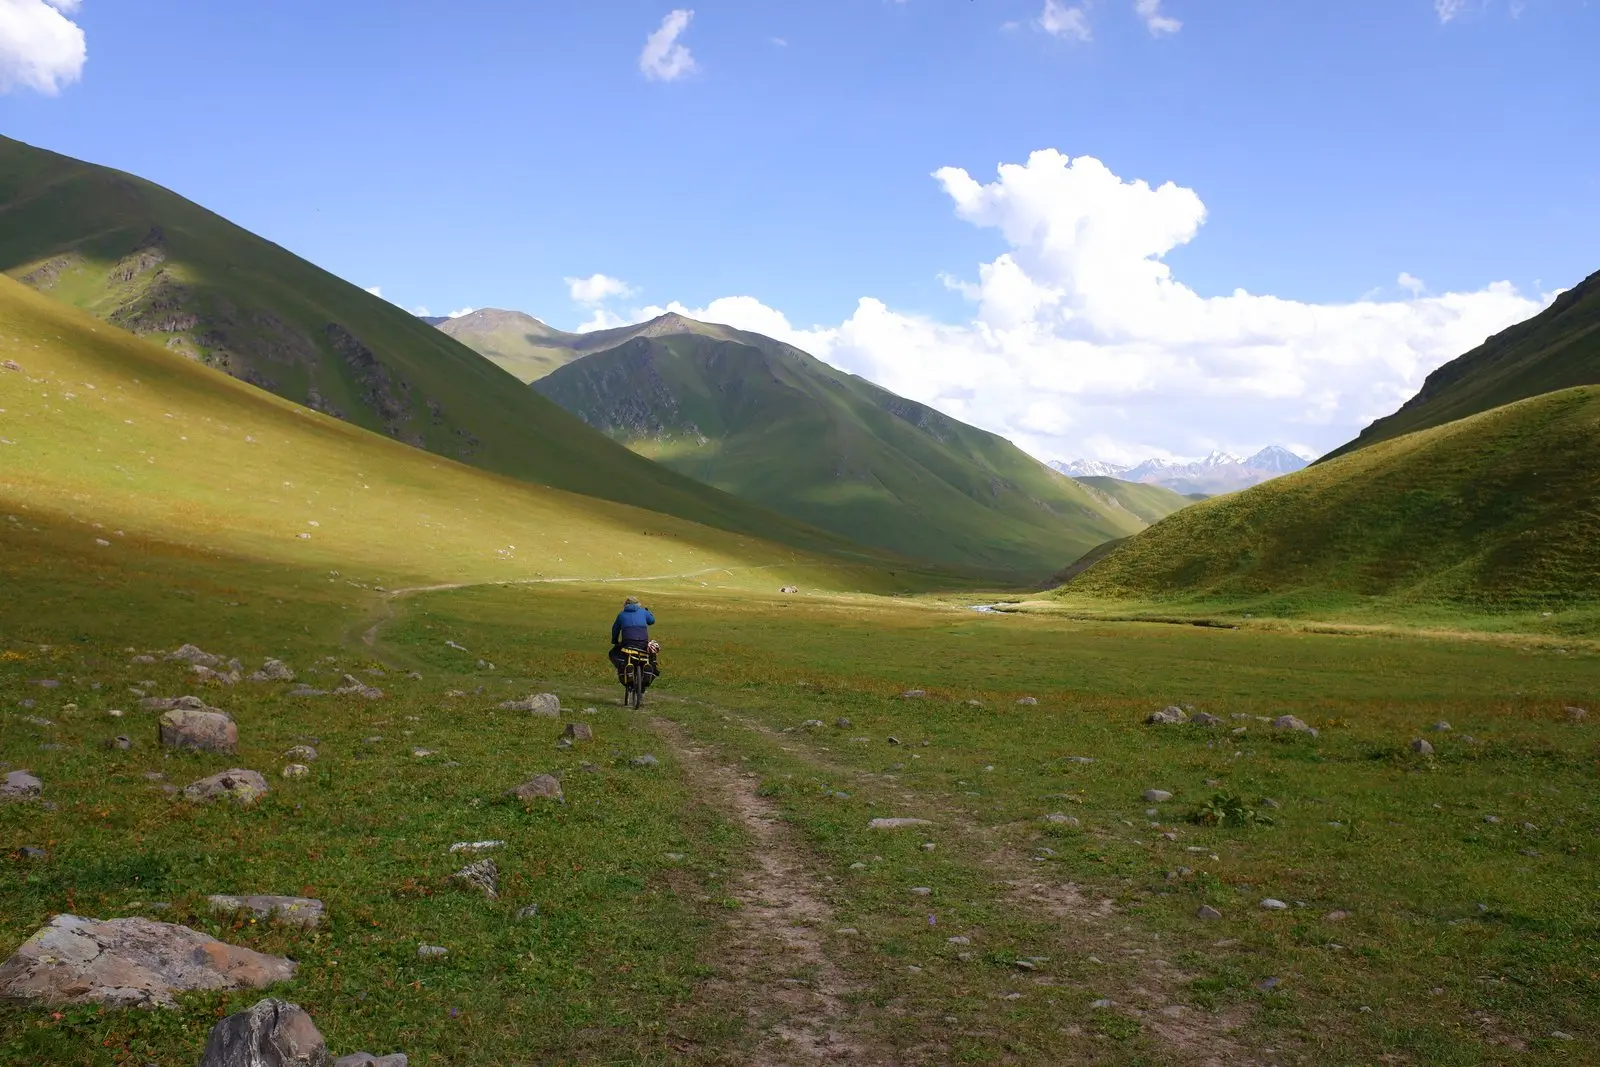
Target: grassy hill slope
(1556,349)
(529,349)
(1496,511)
(1150,503)
(139,446)
(770,423)
(146,260)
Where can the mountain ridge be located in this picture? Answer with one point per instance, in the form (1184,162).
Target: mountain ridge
(1217,472)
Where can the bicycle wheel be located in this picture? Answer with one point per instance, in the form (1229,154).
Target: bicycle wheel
(635,684)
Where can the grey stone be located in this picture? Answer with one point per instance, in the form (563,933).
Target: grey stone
(120,742)
(1268,802)
(1576,714)
(1060,819)
(1267,985)
(303,690)
(354,686)
(922,890)
(529,912)
(540,785)
(1440,727)
(1338,915)
(896,823)
(291,911)
(301,754)
(207,674)
(431,952)
(34,720)
(1028,702)
(471,847)
(578,731)
(913,694)
(1206,911)
(274,670)
(20,785)
(184,703)
(1274,905)
(1168,716)
(813,724)
(240,786)
(546,705)
(272,1033)
(1156,796)
(295,770)
(28,852)
(844,724)
(367,1059)
(130,962)
(789,589)
(1289,722)
(1421,747)
(483,875)
(1205,719)
(194,656)
(44,683)
(141,660)
(209,731)
(646,760)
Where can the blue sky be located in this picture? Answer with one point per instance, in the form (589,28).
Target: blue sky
(483,154)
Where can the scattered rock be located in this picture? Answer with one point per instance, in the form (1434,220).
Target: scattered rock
(186,703)
(291,911)
(896,823)
(274,670)
(922,890)
(209,731)
(194,656)
(1168,716)
(29,852)
(844,724)
(1156,796)
(1289,722)
(913,694)
(44,683)
(1028,702)
(1268,802)
(1060,819)
(529,912)
(474,846)
(1338,915)
(296,770)
(1440,727)
(540,785)
(1421,747)
(431,952)
(483,875)
(1576,714)
(1267,985)
(367,1059)
(141,660)
(1205,719)
(1078,759)
(423,753)
(120,742)
(545,704)
(356,687)
(1206,911)
(206,674)
(35,720)
(1274,905)
(20,785)
(301,754)
(812,724)
(130,962)
(240,786)
(304,690)
(788,589)
(646,760)
(578,731)
(273,1033)
(959,940)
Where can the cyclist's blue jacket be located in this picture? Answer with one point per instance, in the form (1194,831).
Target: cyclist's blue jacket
(632,625)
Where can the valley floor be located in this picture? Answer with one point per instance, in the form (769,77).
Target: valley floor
(732,903)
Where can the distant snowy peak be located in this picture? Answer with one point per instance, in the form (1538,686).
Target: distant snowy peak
(1089,468)
(1219,472)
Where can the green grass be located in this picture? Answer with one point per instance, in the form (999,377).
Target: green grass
(1150,503)
(770,424)
(1490,516)
(517,343)
(142,257)
(1556,349)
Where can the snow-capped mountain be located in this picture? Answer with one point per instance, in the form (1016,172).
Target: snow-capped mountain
(1219,472)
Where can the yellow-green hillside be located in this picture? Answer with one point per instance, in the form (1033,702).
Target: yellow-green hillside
(1494,512)
(141,445)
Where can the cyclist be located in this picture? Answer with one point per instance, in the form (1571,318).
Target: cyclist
(632,630)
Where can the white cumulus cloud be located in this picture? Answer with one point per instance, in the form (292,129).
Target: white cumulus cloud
(1082,341)
(375,290)
(1059,20)
(1411,283)
(40,47)
(458,312)
(1155,20)
(664,58)
(597,289)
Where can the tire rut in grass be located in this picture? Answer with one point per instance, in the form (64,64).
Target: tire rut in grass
(796,999)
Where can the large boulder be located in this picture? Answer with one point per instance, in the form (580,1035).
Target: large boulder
(545,704)
(292,911)
(209,731)
(20,785)
(240,786)
(273,1033)
(130,963)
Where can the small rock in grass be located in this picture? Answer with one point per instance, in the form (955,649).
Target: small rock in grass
(273,670)
(301,754)
(120,742)
(529,912)
(896,823)
(292,911)
(431,952)
(578,731)
(44,683)
(1028,702)
(208,731)
(20,785)
(1025,965)
(1206,911)
(295,770)
(912,694)
(1440,727)
(646,760)
(1168,716)
(240,786)
(272,1033)
(813,724)
(194,656)
(1491,819)
(367,1059)
(843,724)
(1272,904)
(1338,915)
(141,660)
(483,875)
(1101,1004)
(1267,985)
(1268,802)
(354,686)
(546,705)
(1421,747)
(1576,714)
(1290,722)
(540,785)
(474,846)
(959,940)
(921,890)
(1059,819)
(1157,796)
(1205,719)
(423,753)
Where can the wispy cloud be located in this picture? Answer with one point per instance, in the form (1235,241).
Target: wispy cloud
(1448,10)
(40,47)
(456,314)
(1155,20)
(1059,20)
(597,289)
(663,58)
(1411,284)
